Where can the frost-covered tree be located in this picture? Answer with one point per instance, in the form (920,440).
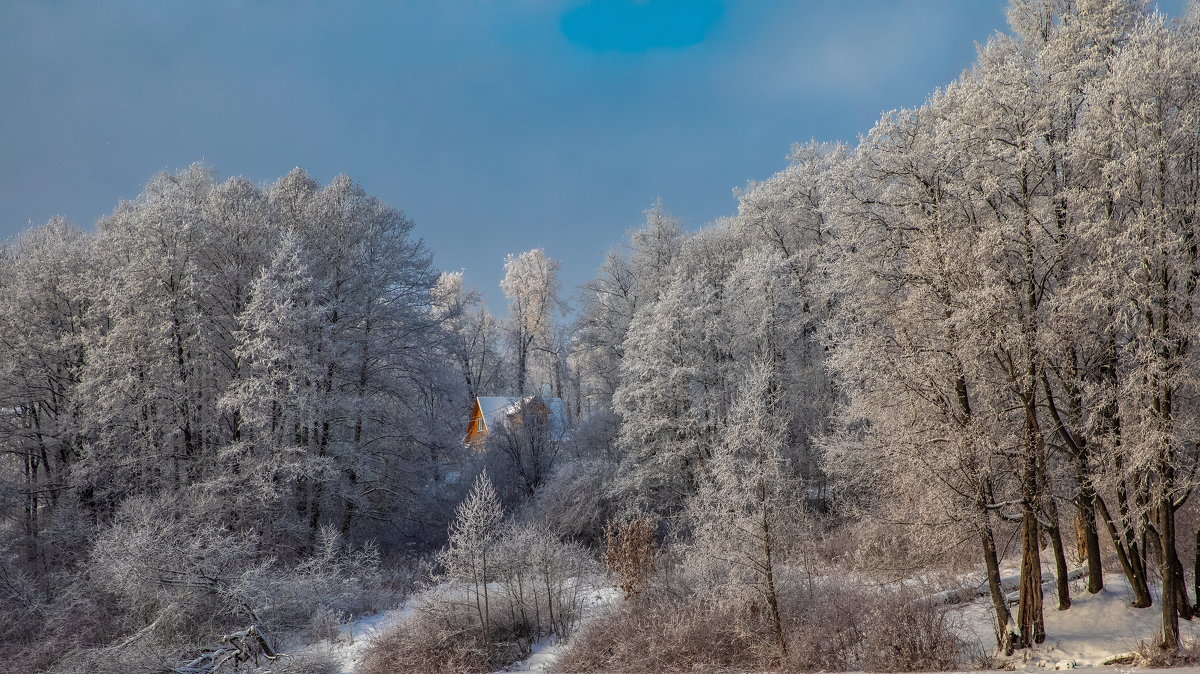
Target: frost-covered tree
(526,446)
(44,317)
(278,394)
(745,500)
(474,334)
(654,248)
(902,283)
(625,283)
(265,358)
(531,285)
(677,376)
(1140,147)
(469,555)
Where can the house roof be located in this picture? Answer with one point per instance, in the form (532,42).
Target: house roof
(497,407)
(493,407)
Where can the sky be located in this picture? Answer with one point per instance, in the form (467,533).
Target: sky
(497,126)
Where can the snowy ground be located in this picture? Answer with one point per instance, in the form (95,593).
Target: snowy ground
(1095,628)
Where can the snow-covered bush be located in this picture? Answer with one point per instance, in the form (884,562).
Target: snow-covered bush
(543,579)
(576,501)
(160,581)
(311,598)
(21,604)
(170,574)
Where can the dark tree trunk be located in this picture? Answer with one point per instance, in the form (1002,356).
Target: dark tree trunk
(999,602)
(1171,607)
(1091,540)
(1030,616)
(1128,558)
(1062,583)
(1196,575)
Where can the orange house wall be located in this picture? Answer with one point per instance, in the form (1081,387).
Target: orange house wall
(475,425)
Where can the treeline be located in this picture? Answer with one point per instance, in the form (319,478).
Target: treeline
(223,386)
(975,324)
(1014,272)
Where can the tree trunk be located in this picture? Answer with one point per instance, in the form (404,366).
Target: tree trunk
(1129,563)
(1062,583)
(1091,540)
(1170,580)
(1196,574)
(999,602)
(1029,604)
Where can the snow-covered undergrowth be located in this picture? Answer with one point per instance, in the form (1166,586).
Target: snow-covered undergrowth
(357,638)
(1096,629)
(548,650)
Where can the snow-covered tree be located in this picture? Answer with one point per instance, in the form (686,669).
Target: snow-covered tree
(531,285)
(745,500)
(469,555)
(474,334)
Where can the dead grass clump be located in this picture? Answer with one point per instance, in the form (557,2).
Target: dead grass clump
(422,645)
(665,635)
(446,636)
(838,626)
(1152,655)
(905,635)
(629,553)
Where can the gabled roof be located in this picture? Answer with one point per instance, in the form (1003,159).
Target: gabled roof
(496,408)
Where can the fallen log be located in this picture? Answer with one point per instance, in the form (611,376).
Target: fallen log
(234,649)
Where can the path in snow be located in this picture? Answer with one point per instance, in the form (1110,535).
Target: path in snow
(546,651)
(357,635)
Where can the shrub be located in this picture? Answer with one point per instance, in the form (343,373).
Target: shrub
(576,501)
(629,553)
(1152,655)
(159,584)
(905,635)
(536,588)
(446,637)
(661,634)
(312,598)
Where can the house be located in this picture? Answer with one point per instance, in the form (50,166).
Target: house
(489,412)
